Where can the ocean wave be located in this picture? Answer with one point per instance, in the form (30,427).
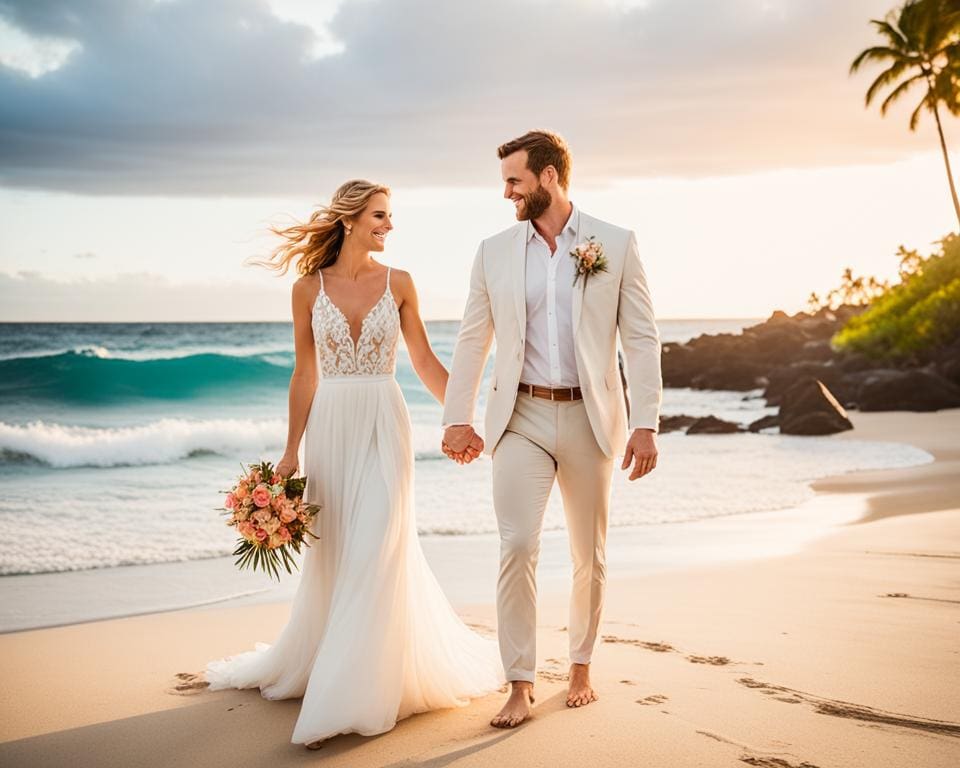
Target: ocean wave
(94,376)
(159,442)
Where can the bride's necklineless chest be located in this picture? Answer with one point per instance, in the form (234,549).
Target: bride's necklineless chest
(323,298)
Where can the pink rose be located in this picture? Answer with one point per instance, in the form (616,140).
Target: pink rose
(231,501)
(261,496)
(275,479)
(284,534)
(261,534)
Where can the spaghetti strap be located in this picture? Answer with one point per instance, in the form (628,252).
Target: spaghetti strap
(321,279)
(388,278)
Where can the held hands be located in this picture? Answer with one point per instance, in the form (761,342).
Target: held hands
(461,443)
(641,448)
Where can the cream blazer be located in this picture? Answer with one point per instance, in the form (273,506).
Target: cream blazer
(603,304)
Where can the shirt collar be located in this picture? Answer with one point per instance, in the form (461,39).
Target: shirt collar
(570,227)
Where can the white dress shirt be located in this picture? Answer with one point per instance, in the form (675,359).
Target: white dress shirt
(548,357)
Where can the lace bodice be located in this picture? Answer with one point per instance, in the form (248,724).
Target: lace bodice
(375,352)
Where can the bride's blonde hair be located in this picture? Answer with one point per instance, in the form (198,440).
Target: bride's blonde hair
(317,241)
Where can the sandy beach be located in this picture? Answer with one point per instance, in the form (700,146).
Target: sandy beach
(846,653)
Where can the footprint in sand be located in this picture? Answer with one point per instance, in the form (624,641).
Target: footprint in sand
(650,646)
(188,683)
(717,661)
(846,709)
(657,698)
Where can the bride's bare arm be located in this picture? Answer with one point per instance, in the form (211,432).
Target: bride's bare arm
(425,362)
(303,382)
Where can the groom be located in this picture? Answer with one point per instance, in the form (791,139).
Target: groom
(555,408)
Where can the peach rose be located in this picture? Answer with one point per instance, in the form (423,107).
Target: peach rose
(262,515)
(271,525)
(288,514)
(275,541)
(284,534)
(241,491)
(261,496)
(278,502)
(231,501)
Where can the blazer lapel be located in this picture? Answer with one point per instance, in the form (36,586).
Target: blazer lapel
(518,268)
(583,232)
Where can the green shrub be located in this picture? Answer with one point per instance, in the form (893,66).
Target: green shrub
(913,317)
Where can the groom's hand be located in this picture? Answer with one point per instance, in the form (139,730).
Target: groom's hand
(642,450)
(461,443)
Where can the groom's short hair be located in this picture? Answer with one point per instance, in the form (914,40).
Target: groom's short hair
(543,148)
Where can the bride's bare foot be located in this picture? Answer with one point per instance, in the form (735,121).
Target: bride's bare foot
(518,707)
(580,692)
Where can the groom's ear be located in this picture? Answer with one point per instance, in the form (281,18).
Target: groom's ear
(549,176)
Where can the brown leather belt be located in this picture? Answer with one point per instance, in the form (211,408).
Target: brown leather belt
(564,394)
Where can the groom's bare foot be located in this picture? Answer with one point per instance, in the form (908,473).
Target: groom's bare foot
(518,707)
(580,692)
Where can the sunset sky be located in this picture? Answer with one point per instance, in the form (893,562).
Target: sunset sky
(146,144)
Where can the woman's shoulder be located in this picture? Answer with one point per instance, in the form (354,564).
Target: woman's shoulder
(306,287)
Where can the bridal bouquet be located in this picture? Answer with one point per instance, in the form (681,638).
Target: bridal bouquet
(271,517)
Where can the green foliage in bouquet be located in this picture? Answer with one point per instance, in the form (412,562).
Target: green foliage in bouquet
(918,315)
(271,517)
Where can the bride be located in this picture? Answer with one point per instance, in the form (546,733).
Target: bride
(371,637)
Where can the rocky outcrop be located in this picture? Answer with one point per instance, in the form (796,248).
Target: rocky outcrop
(912,390)
(809,408)
(711,425)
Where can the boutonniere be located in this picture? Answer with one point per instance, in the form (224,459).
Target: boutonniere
(589,258)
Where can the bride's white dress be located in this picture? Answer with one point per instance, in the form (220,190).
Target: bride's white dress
(371,637)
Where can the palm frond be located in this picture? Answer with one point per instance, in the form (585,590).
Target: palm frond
(894,35)
(915,117)
(880,53)
(886,77)
(899,91)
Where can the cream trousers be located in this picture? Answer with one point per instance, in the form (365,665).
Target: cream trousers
(547,440)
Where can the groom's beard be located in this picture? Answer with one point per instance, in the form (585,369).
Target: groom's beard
(534,204)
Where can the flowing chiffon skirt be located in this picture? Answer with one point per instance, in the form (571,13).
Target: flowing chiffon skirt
(371,637)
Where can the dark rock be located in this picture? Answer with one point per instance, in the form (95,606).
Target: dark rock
(782,378)
(809,408)
(911,390)
(818,350)
(675,423)
(765,422)
(815,423)
(711,425)
(741,377)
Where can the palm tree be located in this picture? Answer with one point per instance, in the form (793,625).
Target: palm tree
(922,45)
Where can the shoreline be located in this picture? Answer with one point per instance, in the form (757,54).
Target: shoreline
(30,601)
(842,653)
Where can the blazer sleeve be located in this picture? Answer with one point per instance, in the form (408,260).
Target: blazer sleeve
(641,342)
(471,350)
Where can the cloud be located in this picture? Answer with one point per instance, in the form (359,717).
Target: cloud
(223,97)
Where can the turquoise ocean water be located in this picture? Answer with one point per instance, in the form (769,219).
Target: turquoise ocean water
(116,439)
